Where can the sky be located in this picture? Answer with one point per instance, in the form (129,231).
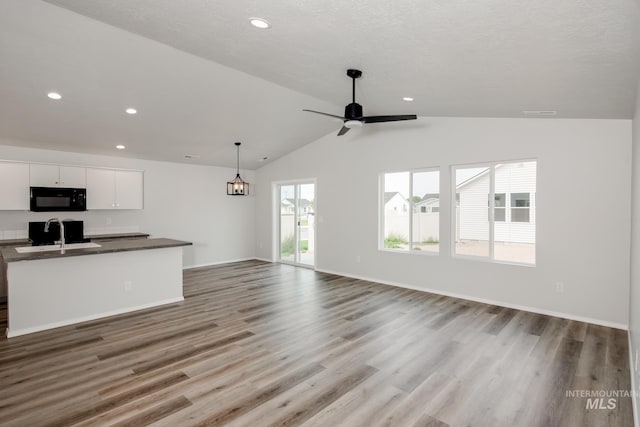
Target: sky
(424,182)
(307,191)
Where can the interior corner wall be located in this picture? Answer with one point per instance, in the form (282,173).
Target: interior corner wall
(583,209)
(634,321)
(181,201)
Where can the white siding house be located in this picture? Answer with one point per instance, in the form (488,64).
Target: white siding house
(395,203)
(515,201)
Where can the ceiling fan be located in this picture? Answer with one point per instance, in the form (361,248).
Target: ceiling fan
(353,112)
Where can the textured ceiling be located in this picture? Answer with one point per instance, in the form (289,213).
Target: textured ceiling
(490,58)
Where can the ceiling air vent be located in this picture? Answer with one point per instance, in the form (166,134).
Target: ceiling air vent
(540,113)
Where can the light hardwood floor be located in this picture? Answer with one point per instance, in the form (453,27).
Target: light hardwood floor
(259,344)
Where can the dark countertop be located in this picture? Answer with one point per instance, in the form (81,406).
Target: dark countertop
(115,236)
(25,242)
(9,254)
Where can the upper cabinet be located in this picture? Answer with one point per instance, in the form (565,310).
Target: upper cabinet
(114,189)
(42,175)
(14,191)
(129,190)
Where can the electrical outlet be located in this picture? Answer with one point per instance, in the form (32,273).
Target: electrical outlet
(108,221)
(560,287)
(128,285)
(357,258)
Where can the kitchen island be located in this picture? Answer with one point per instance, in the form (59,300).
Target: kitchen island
(50,289)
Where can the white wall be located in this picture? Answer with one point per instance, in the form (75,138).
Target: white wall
(181,201)
(634,321)
(579,162)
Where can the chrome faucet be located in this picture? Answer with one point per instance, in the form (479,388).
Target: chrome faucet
(46,230)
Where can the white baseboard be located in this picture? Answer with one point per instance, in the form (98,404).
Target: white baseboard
(485,301)
(211,264)
(39,328)
(634,397)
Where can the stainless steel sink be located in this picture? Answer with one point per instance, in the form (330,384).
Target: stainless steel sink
(45,248)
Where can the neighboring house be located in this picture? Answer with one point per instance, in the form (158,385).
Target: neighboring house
(395,203)
(425,217)
(430,203)
(515,194)
(287,206)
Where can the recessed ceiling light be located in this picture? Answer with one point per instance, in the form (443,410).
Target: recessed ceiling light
(54,95)
(262,159)
(260,23)
(407,98)
(131,110)
(120,147)
(191,156)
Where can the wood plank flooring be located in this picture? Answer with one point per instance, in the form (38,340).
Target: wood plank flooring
(260,344)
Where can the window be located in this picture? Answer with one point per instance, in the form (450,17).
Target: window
(499,207)
(410,211)
(495,232)
(520,205)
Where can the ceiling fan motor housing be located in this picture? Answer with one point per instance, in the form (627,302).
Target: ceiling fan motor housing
(353,111)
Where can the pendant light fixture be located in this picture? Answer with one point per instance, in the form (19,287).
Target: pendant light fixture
(237,187)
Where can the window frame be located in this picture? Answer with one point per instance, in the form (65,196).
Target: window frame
(454,206)
(410,210)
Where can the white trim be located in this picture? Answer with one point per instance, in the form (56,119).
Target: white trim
(492,218)
(211,264)
(74,165)
(276,226)
(404,251)
(295,264)
(48,326)
(608,324)
(634,398)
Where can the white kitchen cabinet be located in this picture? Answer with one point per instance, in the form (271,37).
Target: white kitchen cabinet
(14,191)
(42,175)
(114,189)
(129,190)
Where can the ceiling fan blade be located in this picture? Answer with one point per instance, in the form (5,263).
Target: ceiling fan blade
(326,114)
(343,130)
(380,119)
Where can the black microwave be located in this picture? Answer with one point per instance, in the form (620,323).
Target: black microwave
(53,199)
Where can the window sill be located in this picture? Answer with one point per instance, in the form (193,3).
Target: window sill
(402,251)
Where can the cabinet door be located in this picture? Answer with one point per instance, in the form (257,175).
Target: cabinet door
(100,189)
(129,190)
(73,177)
(44,175)
(14,191)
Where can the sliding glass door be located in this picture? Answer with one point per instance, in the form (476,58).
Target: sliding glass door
(296,228)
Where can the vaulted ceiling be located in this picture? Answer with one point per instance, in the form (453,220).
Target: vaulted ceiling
(201,77)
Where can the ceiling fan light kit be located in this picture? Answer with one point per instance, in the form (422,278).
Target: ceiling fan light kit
(353,114)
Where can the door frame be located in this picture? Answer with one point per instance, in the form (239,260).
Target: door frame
(275,186)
